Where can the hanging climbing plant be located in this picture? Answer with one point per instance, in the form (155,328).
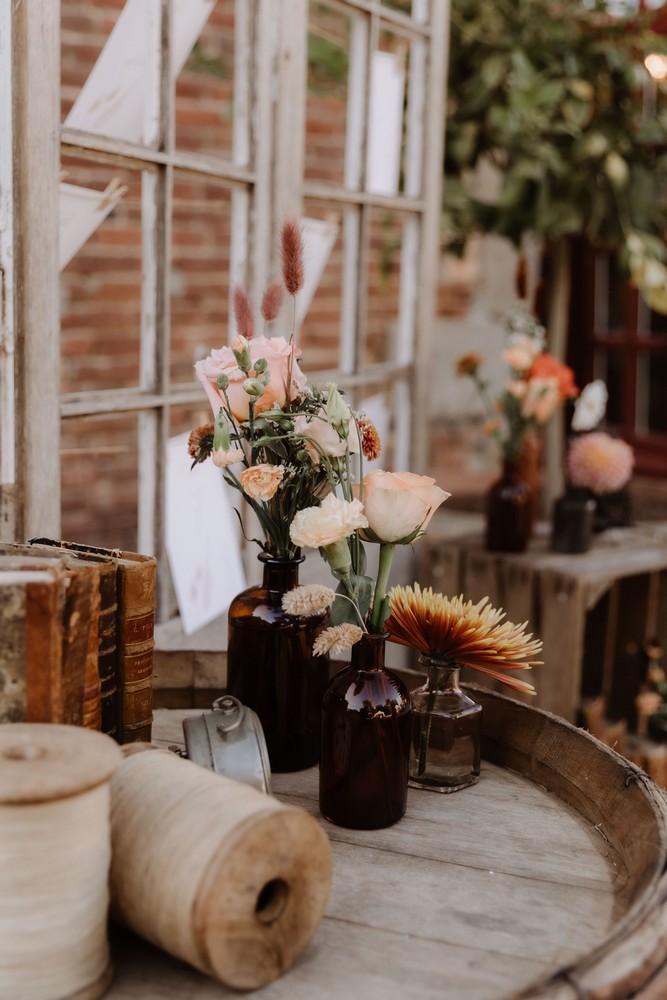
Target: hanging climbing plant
(557,97)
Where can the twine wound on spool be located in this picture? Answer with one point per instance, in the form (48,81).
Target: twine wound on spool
(213,871)
(54,861)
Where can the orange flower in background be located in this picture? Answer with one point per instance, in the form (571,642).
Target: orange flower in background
(468,364)
(371,445)
(547,366)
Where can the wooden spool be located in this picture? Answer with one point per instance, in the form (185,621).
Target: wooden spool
(213,871)
(54,861)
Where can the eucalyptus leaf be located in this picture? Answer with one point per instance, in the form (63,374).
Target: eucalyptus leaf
(360,592)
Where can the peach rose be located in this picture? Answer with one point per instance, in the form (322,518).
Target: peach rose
(261,481)
(277,352)
(399,505)
(325,438)
(541,399)
(521,352)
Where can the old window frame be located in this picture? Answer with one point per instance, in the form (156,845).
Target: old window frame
(266,175)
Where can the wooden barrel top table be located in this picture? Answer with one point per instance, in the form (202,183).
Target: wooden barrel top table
(545,881)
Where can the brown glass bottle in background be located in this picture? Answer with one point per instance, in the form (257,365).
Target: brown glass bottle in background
(365,742)
(509,511)
(271,667)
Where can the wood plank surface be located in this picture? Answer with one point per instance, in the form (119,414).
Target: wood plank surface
(472,896)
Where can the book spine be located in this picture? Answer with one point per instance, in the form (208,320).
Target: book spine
(80,585)
(107,651)
(31,652)
(92,690)
(136,645)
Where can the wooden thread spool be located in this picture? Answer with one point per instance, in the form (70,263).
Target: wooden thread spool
(54,861)
(213,871)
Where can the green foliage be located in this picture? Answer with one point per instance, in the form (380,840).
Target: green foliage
(551,94)
(327,65)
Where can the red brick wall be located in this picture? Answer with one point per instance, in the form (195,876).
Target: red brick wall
(101,287)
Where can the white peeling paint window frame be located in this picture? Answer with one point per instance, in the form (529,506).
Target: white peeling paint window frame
(266,175)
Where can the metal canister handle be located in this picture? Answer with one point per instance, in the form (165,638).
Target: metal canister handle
(232,710)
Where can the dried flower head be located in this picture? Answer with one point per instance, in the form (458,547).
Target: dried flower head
(200,441)
(337,639)
(272,301)
(371,445)
(472,635)
(599,462)
(468,364)
(308,599)
(291,254)
(243,313)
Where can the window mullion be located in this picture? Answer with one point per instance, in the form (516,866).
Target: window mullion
(36,68)
(7,319)
(155,327)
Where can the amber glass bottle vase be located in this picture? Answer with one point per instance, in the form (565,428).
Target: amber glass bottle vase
(509,510)
(271,667)
(365,742)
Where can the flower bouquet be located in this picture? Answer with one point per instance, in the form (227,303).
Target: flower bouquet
(366,709)
(284,446)
(451,633)
(601,466)
(537,385)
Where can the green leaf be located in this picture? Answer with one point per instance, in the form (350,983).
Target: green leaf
(360,592)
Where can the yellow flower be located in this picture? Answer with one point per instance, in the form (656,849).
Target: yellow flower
(261,481)
(472,635)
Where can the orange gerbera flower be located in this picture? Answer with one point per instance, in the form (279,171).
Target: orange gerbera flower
(471,635)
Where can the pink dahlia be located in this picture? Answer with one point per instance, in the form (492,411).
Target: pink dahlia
(599,462)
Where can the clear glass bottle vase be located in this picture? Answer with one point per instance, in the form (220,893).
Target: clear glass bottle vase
(446,730)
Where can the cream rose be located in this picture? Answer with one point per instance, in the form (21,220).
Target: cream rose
(334,519)
(277,352)
(223,457)
(325,439)
(260,482)
(399,504)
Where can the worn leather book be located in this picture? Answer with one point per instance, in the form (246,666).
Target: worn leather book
(32,603)
(80,585)
(101,650)
(136,577)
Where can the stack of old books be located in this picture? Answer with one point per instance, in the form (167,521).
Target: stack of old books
(76,637)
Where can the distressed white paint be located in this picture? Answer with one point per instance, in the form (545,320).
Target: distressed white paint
(7,332)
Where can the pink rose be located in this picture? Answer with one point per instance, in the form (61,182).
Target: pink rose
(398,504)
(325,438)
(277,352)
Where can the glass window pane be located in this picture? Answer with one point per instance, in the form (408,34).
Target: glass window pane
(326,95)
(385,260)
(199,272)
(101,288)
(651,404)
(204,92)
(99,480)
(610,296)
(609,368)
(651,323)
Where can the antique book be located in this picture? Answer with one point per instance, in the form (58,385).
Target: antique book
(32,604)
(136,578)
(80,583)
(92,687)
(101,648)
